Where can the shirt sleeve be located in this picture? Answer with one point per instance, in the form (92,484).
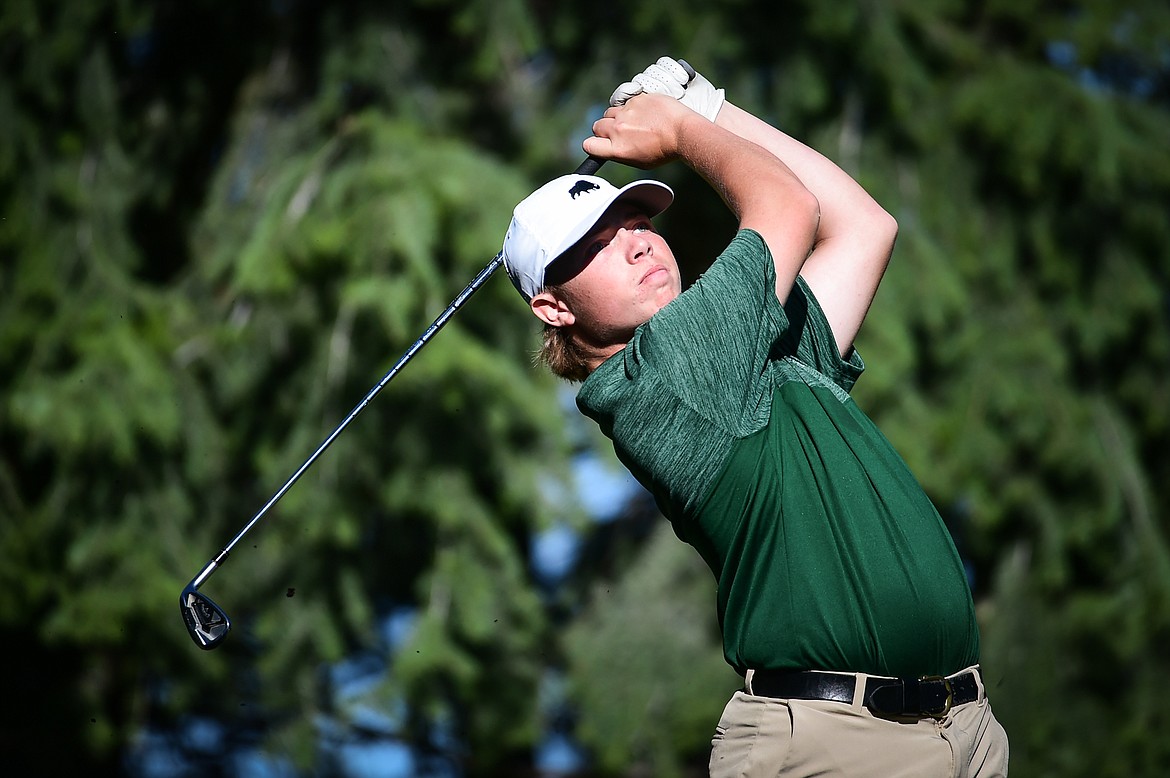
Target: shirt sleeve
(810,339)
(715,343)
(712,345)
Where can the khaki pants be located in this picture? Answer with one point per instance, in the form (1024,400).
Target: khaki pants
(764,736)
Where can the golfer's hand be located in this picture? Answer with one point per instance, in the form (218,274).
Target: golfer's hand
(643,132)
(668,77)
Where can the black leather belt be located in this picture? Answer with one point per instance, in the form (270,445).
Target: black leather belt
(931,696)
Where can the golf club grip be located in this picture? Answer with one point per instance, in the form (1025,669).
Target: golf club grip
(589,167)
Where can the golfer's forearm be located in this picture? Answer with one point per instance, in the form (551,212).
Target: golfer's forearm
(855,238)
(749,178)
(845,205)
(759,188)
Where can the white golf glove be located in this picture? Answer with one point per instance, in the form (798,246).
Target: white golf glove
(667,77)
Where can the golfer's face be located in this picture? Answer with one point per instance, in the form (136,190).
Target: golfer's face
(619,275)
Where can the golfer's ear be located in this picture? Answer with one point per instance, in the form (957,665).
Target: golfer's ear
(550,309)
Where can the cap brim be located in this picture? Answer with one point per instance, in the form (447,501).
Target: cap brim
(653,196)
(649,195)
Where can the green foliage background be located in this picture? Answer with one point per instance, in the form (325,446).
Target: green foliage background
(220,223)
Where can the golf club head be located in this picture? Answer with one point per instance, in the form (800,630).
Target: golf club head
(205,620)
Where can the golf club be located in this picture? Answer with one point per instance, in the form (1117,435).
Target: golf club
(206,622)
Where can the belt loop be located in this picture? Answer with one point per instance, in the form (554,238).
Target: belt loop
(747,681)
(859,692)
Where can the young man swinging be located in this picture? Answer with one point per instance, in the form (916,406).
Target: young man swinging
(841,597)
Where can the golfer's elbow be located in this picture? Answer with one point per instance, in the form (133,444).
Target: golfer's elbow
(871,234)
(802,209)
(869,224)
(884,227)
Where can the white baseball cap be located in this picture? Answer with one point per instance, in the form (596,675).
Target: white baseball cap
(549,221)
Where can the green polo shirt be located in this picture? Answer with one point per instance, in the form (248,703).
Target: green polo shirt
(734,412)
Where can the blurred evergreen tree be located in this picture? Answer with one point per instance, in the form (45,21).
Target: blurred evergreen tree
(215,256)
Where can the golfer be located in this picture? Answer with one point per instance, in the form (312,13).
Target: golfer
(841,597)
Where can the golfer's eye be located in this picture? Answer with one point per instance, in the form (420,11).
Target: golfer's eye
(594,248)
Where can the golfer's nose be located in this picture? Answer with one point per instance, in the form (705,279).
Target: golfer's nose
(637,248)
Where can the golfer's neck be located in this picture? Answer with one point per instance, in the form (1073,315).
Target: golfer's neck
(599,355)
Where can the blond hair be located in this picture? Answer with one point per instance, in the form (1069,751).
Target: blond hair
(563,354)
(560,351)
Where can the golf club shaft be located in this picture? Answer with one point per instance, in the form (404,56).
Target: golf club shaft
(589,167)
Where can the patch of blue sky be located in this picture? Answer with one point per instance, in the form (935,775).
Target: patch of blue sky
(602,487)
(554,552)
(256,764)
(558,755)
(379,759)
(399,625)
(357,674)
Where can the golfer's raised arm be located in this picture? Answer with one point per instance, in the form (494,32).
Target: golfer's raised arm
(762,192)
(856,235)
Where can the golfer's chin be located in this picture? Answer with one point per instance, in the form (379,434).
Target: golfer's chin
(662,289)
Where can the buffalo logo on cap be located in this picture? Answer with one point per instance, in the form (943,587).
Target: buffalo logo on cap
(581,187)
